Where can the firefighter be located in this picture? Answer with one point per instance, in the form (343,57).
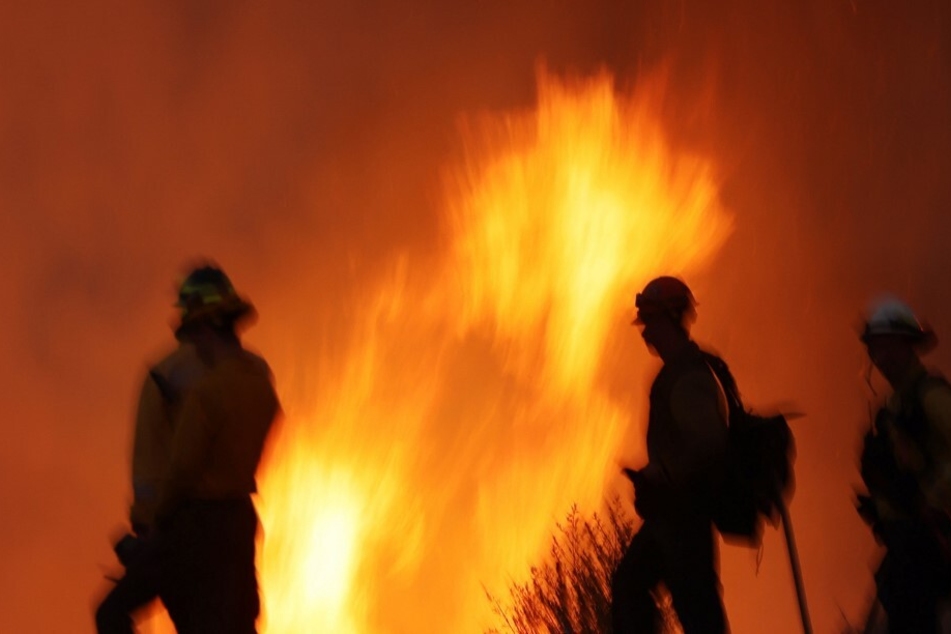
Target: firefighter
(159,403)
(906,468)
(203,415)
(686,447)
(204,509)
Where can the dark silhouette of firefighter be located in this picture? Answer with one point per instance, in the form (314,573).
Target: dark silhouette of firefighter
(906,468)
(159,405)
(203,418)
(686,446)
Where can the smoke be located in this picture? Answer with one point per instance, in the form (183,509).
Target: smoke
(829,122)
(301,146)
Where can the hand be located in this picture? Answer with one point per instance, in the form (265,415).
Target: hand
(866,508)
(128,549)
(632,475)
(648,495)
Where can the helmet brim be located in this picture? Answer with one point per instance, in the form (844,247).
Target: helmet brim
(235,311)
(923,341)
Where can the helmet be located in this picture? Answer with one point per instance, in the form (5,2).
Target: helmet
(206,294)
(665,295)
(893,317)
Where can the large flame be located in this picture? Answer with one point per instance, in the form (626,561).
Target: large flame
(468,413)
(565,211)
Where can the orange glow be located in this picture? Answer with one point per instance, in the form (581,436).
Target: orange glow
(316,560)
(428,458)
(574,207)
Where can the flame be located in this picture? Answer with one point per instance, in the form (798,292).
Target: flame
(317,559)
(574,206)
(428,459)
(560,214)
(333,496)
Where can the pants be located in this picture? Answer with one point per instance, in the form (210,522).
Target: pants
(143,582)
(135,590)
(677,550)
(913,577)
(202,567)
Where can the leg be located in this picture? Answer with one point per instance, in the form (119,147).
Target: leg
(137,588)
(905,598)
(217,583)
(633,609)
(690,573)
(912,579)
(235,576)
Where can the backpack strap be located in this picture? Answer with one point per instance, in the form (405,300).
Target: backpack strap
(723,375)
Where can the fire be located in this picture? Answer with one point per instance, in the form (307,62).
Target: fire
(559,216)
(318,558)
(572,207)
(428,459)
(334,497)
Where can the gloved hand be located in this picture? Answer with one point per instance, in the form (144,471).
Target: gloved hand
(128,549)
(648,494)
(866,508)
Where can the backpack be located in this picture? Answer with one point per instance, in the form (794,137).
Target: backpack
(759,466)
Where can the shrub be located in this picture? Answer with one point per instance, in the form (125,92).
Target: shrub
(571,592)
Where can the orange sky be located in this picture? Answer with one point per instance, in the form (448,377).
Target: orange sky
(305,147)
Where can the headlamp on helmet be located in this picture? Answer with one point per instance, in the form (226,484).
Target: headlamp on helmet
(207,294)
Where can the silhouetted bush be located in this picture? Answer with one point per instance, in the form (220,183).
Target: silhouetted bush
(571,592)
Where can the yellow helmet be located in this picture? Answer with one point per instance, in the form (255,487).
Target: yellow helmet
(206,294)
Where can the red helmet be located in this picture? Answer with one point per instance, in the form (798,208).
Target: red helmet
(665,294)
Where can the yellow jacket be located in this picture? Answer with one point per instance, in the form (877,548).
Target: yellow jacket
(160,401)
(220,433)
(928,455)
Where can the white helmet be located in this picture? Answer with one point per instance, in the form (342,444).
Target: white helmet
(891,316)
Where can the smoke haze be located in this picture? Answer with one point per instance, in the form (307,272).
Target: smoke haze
(303,146)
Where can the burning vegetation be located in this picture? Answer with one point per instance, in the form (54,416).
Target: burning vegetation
(445,413)
(467,411)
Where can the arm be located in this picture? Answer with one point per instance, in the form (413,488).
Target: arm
(193,437)
(936,402)
(150,452)
(698,410)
